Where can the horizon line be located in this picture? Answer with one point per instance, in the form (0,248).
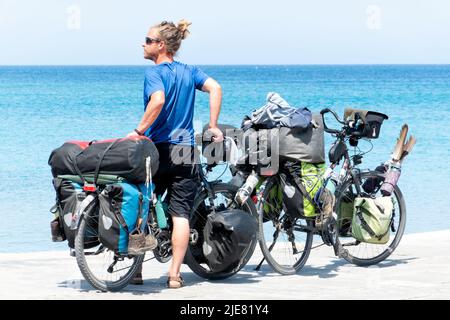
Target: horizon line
(229,65)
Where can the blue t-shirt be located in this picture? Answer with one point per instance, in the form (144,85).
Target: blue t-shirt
(178,81)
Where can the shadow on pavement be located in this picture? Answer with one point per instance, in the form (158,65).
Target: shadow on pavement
(325,271)
(331,269)
(394,262)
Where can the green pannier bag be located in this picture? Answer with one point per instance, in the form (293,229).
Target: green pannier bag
(273,204)
(310,176)
(345,215)
(372,219)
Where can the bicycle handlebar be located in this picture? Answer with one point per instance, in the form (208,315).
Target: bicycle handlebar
(322,113)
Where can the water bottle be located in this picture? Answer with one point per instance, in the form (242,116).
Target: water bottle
(343,172)
(246,190)
(390,180)
(161,217)
(238,179)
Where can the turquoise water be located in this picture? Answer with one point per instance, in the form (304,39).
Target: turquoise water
(41,107)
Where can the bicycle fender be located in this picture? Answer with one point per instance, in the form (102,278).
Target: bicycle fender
(76,220)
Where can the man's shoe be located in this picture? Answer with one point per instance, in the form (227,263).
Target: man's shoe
(150,242)
(135,243)
(175,282)
(139,243)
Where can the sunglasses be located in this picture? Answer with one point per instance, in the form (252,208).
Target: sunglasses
(149,41)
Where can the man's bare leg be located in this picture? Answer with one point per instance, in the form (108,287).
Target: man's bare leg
(180,242)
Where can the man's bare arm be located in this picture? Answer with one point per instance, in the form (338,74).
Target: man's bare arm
(152,112)
(215,101)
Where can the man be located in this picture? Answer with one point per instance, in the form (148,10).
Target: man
(169,95)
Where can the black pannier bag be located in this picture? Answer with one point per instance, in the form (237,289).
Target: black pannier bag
(369,122)
(227,238)
(69,196)
(124,157)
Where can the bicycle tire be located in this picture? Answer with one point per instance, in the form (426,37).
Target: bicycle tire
(194,260)
(268,253)
(83,265)
(400,228)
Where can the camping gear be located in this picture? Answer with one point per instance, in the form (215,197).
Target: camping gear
(123,157)
(277,113)
(227,237)
(62,159)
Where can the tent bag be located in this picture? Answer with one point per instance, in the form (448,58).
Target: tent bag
(124,157)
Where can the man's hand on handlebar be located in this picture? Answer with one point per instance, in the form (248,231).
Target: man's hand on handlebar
(217,135)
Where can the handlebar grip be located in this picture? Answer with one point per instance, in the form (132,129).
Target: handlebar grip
(325,128)
(323,111)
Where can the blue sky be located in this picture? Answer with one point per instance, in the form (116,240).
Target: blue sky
(57,32)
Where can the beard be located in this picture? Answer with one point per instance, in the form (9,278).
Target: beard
(149,56)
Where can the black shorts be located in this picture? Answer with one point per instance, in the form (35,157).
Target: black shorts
(179,176)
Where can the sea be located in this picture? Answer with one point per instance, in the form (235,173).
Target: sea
(41,107)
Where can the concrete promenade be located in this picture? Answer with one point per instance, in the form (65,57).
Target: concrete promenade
(418,269)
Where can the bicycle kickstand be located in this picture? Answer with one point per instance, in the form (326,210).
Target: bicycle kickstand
(258,267)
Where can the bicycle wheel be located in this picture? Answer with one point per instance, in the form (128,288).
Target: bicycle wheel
(224,199)
(285,241)
(101,267)
(366,254)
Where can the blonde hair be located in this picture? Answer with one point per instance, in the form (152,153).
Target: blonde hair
(173,35)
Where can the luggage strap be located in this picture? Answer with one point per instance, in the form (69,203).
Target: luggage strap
(300,185)
(118,215)
(97,169)
(140,212)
